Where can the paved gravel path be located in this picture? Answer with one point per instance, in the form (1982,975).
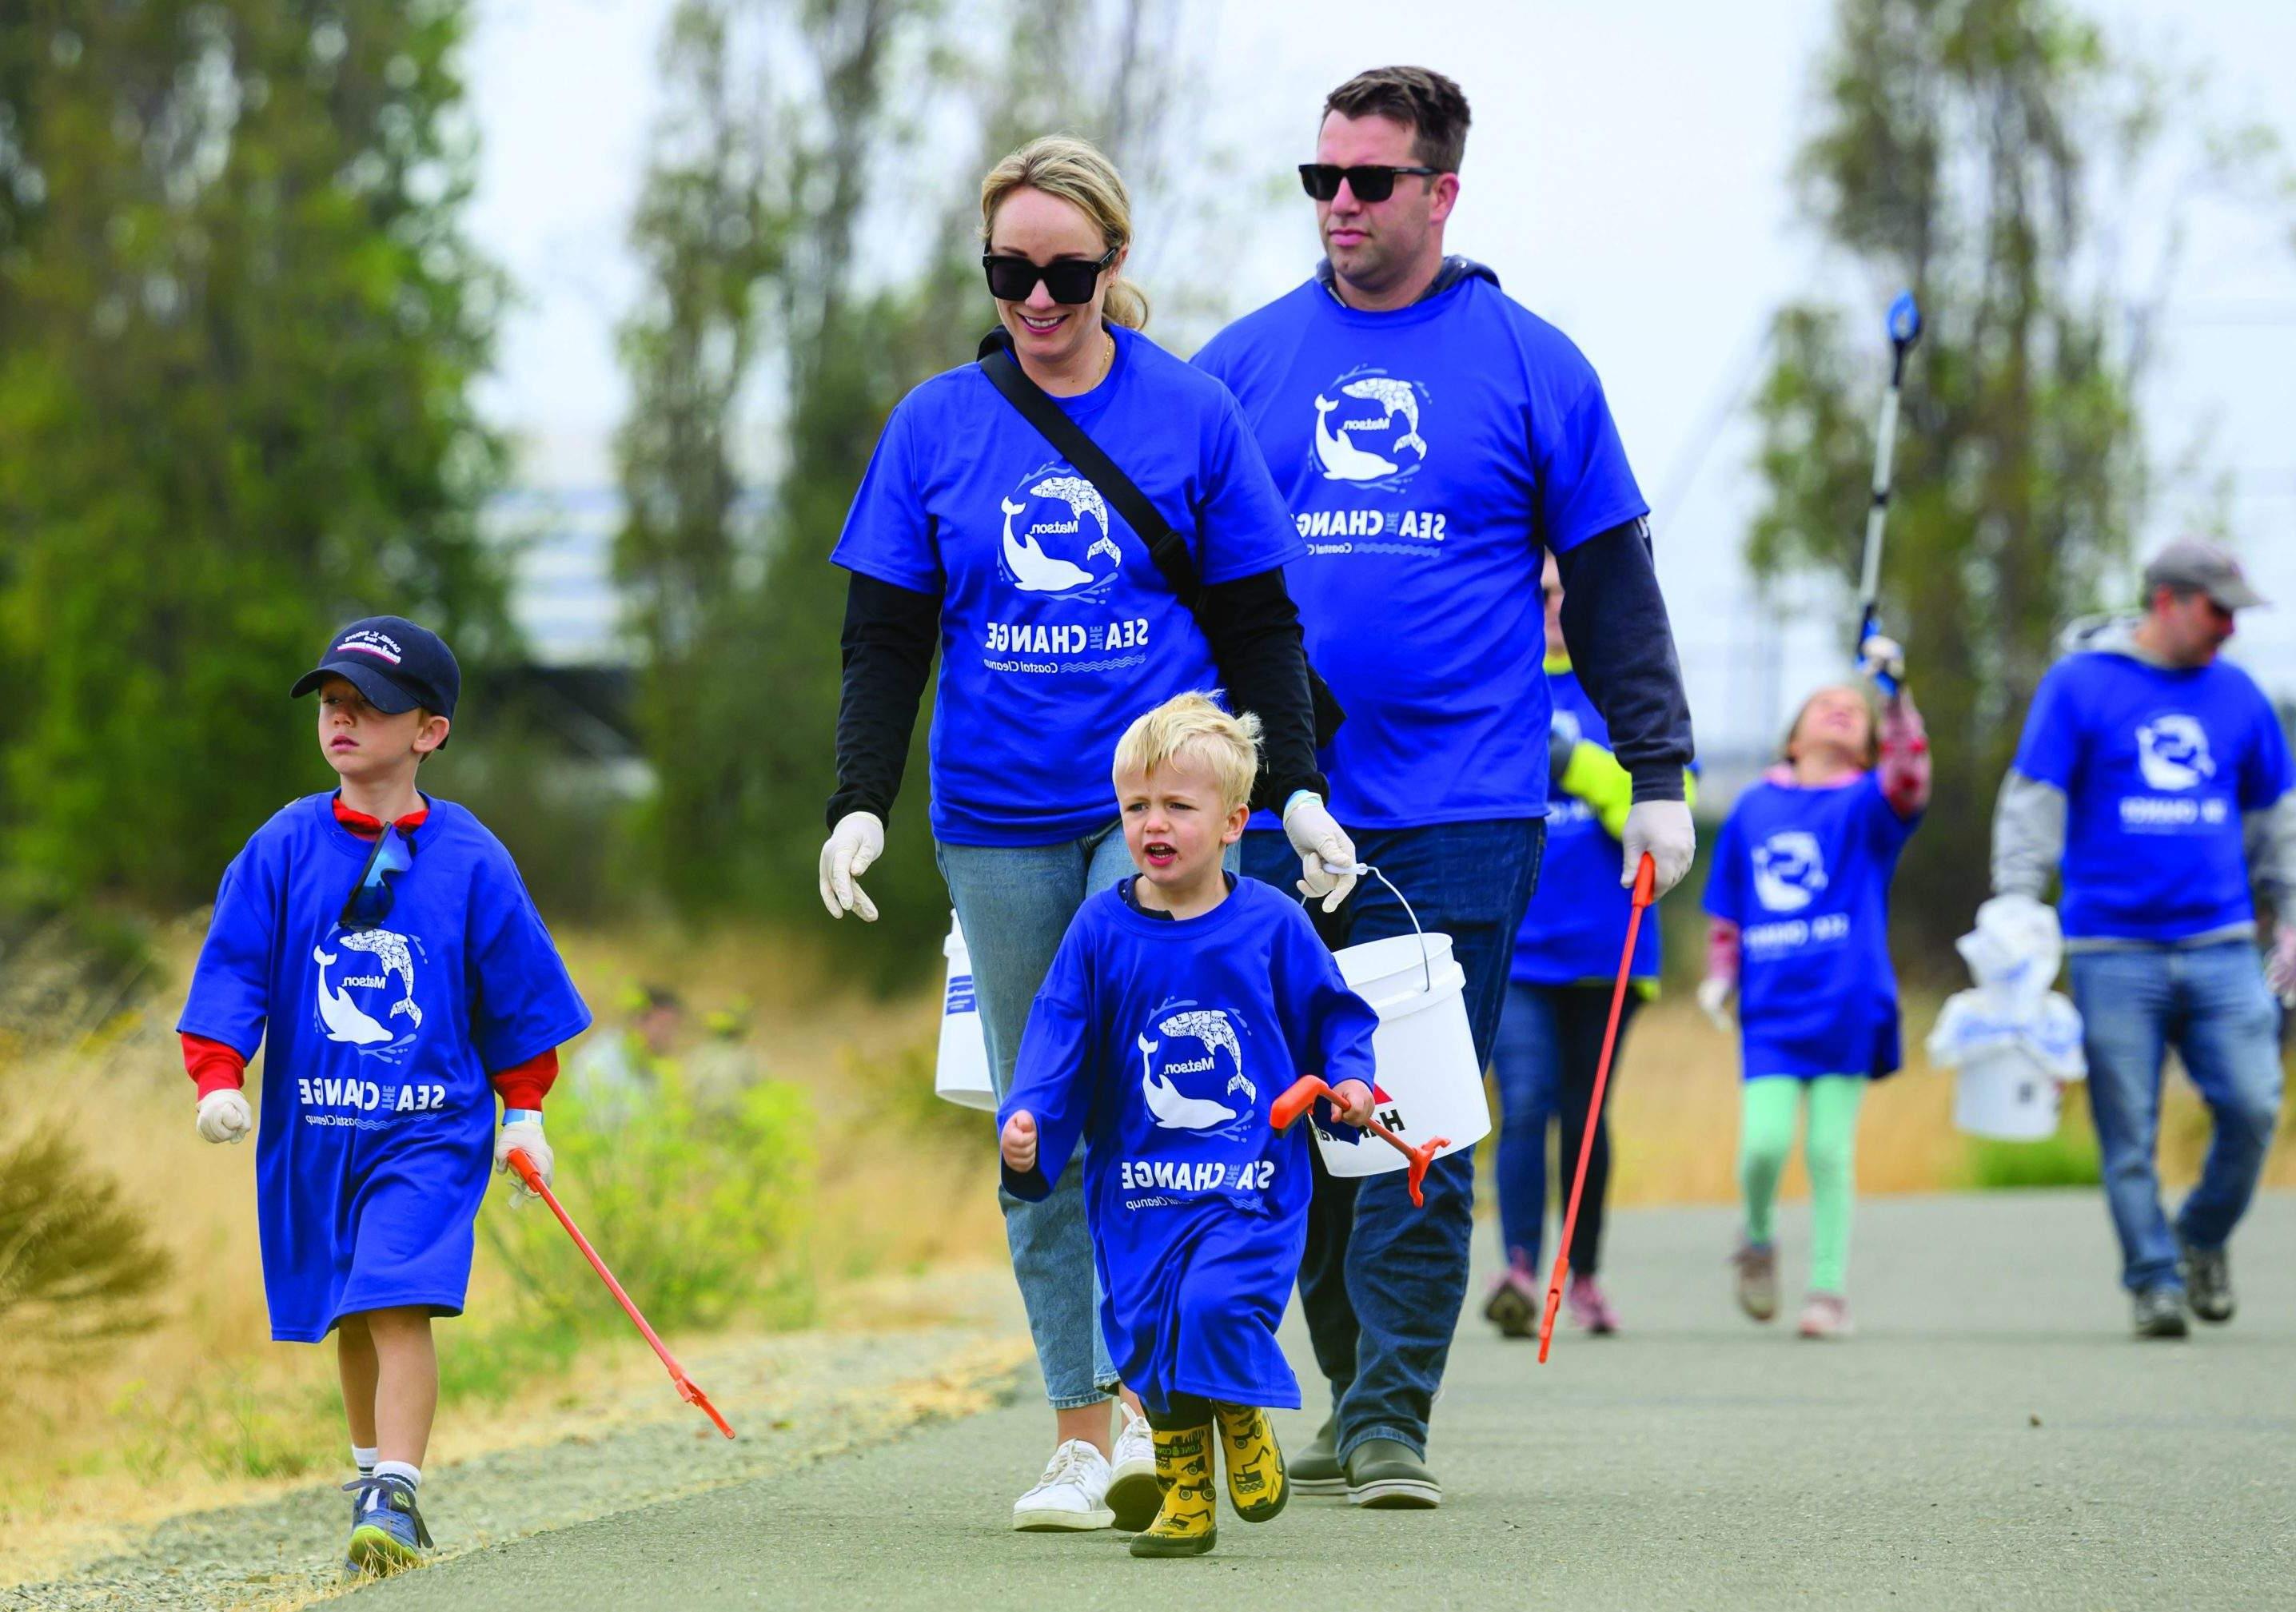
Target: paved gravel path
(794,1400)
(1993,1438)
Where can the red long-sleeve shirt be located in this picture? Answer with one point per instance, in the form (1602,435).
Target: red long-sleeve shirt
(214,1066)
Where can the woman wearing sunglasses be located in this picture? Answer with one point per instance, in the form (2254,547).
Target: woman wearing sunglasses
(1056,628)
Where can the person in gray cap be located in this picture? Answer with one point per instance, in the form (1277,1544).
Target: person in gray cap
(2156,777)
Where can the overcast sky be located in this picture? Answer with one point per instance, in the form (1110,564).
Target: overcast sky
(1625,176)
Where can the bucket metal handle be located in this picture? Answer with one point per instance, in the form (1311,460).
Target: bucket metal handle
(1426,963)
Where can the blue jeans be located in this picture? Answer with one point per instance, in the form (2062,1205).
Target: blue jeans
(1015,903)
(1382,1281)
(1549,1046)
(2211,1005)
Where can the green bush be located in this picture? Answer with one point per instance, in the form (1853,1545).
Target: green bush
(702,1217)
(2067,1160)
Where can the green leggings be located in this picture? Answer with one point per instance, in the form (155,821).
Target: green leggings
(1766,1131)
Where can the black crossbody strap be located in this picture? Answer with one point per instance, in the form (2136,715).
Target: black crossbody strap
(1165,547)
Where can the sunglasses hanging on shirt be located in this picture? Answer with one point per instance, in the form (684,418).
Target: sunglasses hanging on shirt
(1370,180)
(370,900)
(1069,280)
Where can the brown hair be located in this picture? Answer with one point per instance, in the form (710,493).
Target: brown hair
(1075,171)
(1872,757)
(1433,106)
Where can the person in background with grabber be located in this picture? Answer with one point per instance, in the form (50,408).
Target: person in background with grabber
(1799,898)
(1558,1001)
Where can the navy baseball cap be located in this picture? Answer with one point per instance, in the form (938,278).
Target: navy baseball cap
(396,664)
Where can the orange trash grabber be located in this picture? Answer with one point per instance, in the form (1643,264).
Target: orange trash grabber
(688,1389)
(1645,892)
(1304,1090)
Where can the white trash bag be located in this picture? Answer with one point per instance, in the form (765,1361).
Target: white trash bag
(2012,1039)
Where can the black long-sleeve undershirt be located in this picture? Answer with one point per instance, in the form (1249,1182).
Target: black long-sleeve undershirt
(1621,645)
(890,632)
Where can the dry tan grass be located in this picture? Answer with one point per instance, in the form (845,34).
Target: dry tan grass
(1674,1118)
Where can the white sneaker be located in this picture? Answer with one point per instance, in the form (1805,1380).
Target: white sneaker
(1134,1495)
(1072,1495)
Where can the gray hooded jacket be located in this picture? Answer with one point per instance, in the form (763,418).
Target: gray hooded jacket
(2029,819)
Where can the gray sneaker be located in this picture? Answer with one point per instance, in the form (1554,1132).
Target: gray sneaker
(1758,1279)
(2208,1282)
(2161,1313)
(1316,1469)
(1384,1474)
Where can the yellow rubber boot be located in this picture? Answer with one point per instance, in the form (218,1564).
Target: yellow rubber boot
(1256,1485)
(1188,1524)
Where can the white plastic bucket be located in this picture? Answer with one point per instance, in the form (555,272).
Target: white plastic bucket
(1428,1074)
(2005,1092)
(960,1071)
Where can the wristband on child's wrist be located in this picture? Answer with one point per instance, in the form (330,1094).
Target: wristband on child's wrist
(522,1116)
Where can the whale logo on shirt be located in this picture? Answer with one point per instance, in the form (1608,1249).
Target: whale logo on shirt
(2172,752)
(1173,1110)
(1352,444)
(1789,869)
(1033,565)
(345,1019)
(388,960)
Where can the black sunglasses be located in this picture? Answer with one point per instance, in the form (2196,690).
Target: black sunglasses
(370,900)
(1370,180)
(1069,280)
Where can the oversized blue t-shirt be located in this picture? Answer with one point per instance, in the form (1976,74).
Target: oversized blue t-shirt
(1056,628)
(2157,767)
(1805,875)
(1575,928)
(376,1131)
(1161,1044)
(1428,455)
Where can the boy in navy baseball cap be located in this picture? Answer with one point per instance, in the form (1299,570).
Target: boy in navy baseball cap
(397,665)
(380,943)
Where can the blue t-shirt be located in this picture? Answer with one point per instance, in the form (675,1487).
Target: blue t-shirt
(377,1125)
(1056,628)
(1575,925)
(1160,1045)
(1428,455)
(1805,875)
(2157,767)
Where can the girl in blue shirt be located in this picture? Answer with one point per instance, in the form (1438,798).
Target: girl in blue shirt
(1799,895)
(1055,628)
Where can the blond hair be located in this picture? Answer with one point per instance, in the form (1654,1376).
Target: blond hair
(1191,728)
(1075,171)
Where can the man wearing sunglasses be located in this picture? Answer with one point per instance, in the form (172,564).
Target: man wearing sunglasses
(1435,441)
(2157,777)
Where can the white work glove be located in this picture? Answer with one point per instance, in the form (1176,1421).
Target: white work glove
(1884,660)
(1715,995)
(857,840)
(2280,965)
(522,1128)
(1320,839)
(225,1115)
(1662,827)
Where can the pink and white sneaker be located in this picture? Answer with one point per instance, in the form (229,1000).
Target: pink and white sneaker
(1827,1315)
(1589,1308)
